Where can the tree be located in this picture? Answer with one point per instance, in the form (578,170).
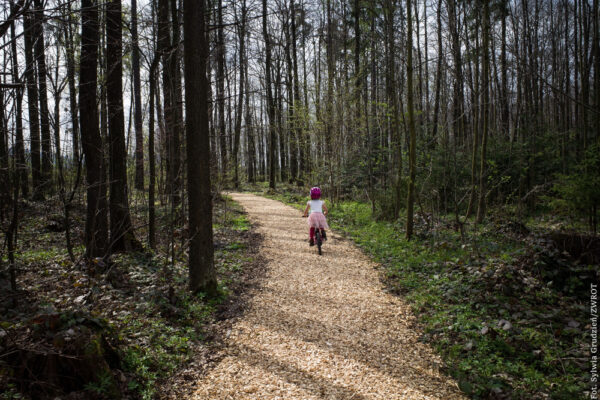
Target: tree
(137,97)
(32,100)
(485,113)
(221,88)
(172,123)
(151,157)
(201,258)
(121,230)
(70,50)
(411,123)
(270,105)
(238,115)
(20,143)
(96,227)
(40,57)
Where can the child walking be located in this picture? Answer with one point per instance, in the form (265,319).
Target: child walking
(316,210)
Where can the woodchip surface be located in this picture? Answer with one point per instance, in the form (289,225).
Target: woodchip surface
(320,327)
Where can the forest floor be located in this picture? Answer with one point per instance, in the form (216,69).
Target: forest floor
(319,327)
(126,327)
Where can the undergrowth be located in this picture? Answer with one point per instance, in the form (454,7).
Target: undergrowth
(153,319)
(173,323)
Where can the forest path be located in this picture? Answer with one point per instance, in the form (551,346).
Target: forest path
(320,327)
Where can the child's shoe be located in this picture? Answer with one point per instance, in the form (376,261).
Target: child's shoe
(311,242)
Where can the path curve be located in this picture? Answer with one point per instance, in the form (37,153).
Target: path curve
(320,327)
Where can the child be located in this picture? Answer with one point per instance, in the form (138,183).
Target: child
(318,211)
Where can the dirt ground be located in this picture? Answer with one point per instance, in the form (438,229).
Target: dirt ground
(319,327)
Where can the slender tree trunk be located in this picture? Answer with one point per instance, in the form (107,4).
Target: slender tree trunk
(32,103)
(137,100)
(270,106)
(485,113)
(504,72)
(96,228)
(121,229)
(411,123)
(40,56)
(170,138)
(5,184)
(458,100)
(22,178)
(176,88)
(299,120)
(292,118)
(251,145)
(72,83)
(438,75)
(151,157)
(306,148)
(201,260)
(221,88)
(329,99)
(238,114)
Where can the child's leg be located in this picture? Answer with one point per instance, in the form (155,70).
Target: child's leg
(312,233)
(323,235)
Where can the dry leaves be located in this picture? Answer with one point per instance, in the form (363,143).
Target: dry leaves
(320,327)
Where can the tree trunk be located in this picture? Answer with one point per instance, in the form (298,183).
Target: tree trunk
(151,157)
(32,103)
(438,75)
(299,119)
(176,88)
(411,123)
(291,118)
(250,143)
(121,230)
(96,228)
(171,137)
(329,100)
(137,100)
(221,89)
(238,114)
(485,113)
(72,84)
(40,55)
(458,100)
(270,106)
(22,178)
(201,260)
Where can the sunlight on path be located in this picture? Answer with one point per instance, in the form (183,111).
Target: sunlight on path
(320,327)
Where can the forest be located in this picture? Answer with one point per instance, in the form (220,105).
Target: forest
(456,143)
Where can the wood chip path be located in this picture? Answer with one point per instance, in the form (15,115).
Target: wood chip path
(320,327)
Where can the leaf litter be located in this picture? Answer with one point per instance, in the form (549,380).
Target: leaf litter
(320,327)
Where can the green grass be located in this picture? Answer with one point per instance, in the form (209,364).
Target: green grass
(458,290)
